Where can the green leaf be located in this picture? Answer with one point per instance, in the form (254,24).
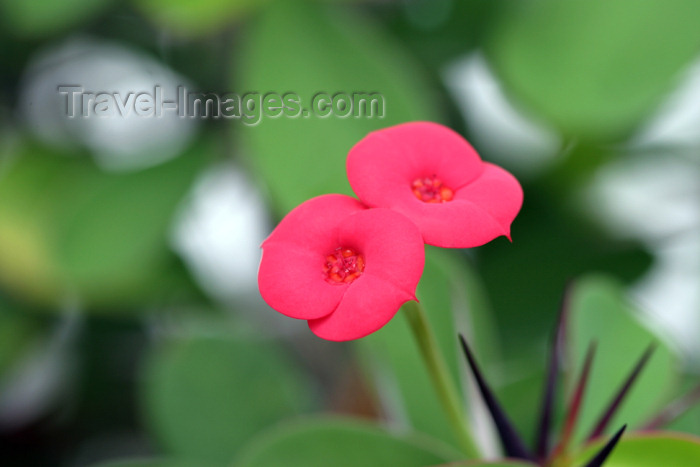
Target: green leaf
(307,48)
(649,450)
(341,443)
(595,68)
(68,228)
(449,291)
(189,18)
(600,312)
(205,397)
(44,17)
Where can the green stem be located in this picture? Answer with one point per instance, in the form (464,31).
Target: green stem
(444,385)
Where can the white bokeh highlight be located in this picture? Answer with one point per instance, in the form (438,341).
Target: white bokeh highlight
(656,200)
(677,121)
(117,142)
(510,137)
(219,232)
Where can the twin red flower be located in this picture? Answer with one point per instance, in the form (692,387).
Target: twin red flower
(347,266)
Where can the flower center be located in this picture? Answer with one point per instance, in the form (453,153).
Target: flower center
(431,190)
(343,266)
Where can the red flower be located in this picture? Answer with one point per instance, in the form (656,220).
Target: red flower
(433,176)
(344,268)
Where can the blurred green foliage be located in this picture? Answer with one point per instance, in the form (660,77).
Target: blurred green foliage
(453,294)
(69,230)
(321,51)
(183,17)
(18,331)
(618,345)
(345,443)
(594,68)
(45,17)
(155,463)
(205,397)
(644,451)
(78,242)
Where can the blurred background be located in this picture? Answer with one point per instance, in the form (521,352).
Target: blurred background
(130,321)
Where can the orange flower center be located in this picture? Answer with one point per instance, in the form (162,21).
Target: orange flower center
(431,190)
(343,266)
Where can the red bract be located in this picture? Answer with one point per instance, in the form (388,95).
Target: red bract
(344,268)
(433,176)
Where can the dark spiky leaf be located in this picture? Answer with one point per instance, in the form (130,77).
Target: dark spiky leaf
(554,363)
(575,404)
(674,410)
(547,410)
(624,390)
(603,454)
(512,443)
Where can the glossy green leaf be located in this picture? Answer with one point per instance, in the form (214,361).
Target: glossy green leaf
(600,312)
(650,450)
(44,17)
(340,443)
(189,18)
(307,48)
(68,228)
(205,397)
(450,294)
(595,68)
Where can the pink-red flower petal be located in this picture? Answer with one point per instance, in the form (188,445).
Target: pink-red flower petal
(310,224)
(292,278)
(394,256)
(391,244)
(291,281)
(479,212)
(485,198)
(499,195)
(382,165)
(368,304)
